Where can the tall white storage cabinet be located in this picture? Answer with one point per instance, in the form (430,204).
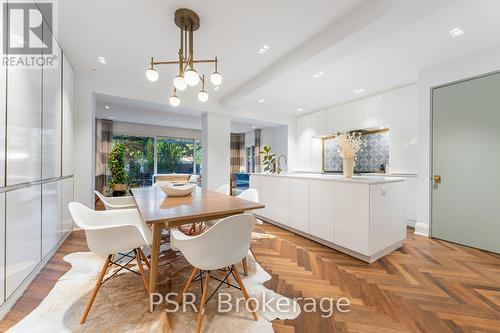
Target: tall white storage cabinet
(23,234)
(24,116)
(51,117)
(51,216)
(36,167)
(68,99)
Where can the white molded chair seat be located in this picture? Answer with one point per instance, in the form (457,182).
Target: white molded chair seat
(224,188)
(220,247)
(110,232)
(116,202)
(250,194)
(113,231)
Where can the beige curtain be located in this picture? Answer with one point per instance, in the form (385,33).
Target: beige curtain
(237,154)
(103,142)
(257,150)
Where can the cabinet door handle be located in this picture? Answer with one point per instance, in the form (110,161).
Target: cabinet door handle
(437,179)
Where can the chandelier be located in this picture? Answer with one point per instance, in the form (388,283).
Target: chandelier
(188,22)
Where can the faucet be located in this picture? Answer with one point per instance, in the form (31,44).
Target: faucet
(279,164)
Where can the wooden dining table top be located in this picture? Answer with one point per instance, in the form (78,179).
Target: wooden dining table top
(202,205)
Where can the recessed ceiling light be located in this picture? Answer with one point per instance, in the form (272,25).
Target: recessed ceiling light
(254,127)
(101,60)
(377,97)
(263,49)
(318,74)
(216,88)
(457,32)
(299,109)
(260,101)
(112,117)
(358,91)
(107,107)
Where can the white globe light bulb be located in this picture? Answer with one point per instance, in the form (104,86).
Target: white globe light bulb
(175,101)
(152,74)
(191,77)
(180,83)
(203,96)
(216,78)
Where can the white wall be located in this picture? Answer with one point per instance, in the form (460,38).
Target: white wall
(154,130)
(215,140)
(276,137)
(476,64)
(395,109)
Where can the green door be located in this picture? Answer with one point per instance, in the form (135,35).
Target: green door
(466,155)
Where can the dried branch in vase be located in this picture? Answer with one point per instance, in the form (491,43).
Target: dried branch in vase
(349,144)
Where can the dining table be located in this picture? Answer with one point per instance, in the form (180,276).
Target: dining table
(160,211)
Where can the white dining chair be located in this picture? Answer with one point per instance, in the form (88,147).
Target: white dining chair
(220,247)
(116,202)
(109,233)
(225,189)
(250,194)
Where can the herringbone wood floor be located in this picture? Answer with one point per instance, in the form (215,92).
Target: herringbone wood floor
(426,286)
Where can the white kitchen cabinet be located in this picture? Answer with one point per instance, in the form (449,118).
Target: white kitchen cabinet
(67,197)
(303,142)
(51,115)
(387,204)
(67,117)
(22,235)
(51,216)
(319,123)
(275,195)
(2,247)
(352,216)
(299,204)
(24,105)
(321,209)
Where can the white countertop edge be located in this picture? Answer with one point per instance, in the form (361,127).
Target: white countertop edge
(336,178)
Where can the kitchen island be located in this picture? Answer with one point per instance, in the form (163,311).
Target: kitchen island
(363,216)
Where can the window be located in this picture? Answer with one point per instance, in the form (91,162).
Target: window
(177,155)
(139,159)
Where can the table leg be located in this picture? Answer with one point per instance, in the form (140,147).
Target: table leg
(155,254)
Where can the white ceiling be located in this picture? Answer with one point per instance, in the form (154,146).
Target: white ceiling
(376,45)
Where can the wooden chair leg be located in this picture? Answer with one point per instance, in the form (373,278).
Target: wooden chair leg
(96,288)
(201,310)
(245,266)
(187,285)
(244,290)
(141,270)
(143,256)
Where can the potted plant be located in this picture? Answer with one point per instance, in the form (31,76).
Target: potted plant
(269,159)
(349,145)
(116,162)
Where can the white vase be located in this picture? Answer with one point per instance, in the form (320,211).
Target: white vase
(348,167)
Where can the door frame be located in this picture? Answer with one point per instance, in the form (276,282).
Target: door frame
(431,138)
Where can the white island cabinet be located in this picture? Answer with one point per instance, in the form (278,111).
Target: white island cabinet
(363,216)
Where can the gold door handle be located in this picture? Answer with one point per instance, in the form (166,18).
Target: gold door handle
(437,179)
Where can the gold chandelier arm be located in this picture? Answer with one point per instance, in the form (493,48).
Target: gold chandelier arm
(185,61)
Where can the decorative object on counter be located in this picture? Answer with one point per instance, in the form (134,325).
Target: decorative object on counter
(349,144)
(269,160)
(116,162)
(279,170)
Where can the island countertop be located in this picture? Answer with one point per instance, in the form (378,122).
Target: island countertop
(336,178)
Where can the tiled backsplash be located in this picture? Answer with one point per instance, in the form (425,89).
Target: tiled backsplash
(375,152)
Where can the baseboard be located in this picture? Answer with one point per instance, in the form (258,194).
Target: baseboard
(9,303)
(422,229)
(411,223)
